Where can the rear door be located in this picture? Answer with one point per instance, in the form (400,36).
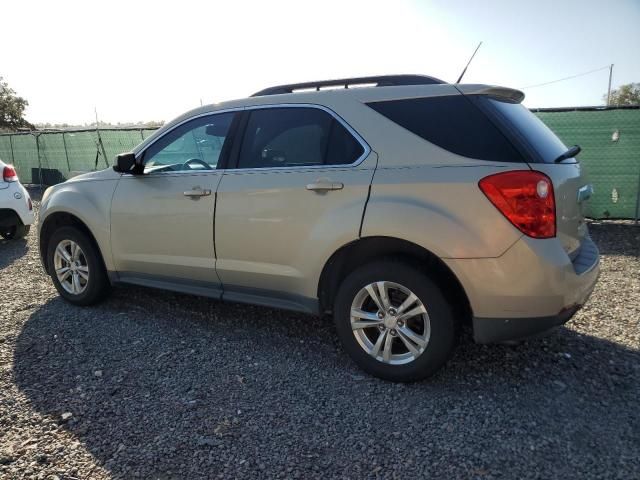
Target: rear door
(296,193)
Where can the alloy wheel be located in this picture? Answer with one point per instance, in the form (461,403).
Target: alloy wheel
(71,267)
(390,322)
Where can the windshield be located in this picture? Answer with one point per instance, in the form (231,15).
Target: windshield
(539,137)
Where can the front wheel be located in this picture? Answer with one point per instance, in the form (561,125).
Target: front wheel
(15,232)
(394,321)
(76,268)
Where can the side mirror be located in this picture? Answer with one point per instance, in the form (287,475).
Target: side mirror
(126,163)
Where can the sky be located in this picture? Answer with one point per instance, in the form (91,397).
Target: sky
(152,60)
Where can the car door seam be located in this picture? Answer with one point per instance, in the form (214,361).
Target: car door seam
(366,202)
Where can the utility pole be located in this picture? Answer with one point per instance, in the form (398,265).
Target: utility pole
(609,89)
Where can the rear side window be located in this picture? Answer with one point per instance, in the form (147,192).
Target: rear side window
(453,123)
(537,136)
(296,137)
(342,147)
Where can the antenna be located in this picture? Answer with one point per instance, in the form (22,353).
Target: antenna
(467,65)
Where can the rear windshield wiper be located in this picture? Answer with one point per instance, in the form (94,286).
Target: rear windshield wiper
(572,152)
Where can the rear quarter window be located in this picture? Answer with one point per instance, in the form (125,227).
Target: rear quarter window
(453,123)
(542,144)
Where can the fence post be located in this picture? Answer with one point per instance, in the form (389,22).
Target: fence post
(13,157)
(638,200)
(39,163)
(66,154)
(142,134)
(101,145)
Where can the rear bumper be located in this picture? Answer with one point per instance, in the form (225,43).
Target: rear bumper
(532,288)
(495,330)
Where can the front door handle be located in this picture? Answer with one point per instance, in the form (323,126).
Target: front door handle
(197,192)
(324,185)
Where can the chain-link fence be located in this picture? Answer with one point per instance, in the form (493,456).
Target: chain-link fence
(609,137)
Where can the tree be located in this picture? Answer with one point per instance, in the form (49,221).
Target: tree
(628,94)
(11,108)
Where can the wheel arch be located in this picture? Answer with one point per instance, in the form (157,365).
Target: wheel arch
(9,217)
(57,220)
(367,249)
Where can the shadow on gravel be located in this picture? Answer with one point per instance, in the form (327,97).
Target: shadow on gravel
(616,239)
(171,386)
(12,250)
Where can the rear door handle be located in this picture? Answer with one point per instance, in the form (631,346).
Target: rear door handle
(197,192)
(323,185)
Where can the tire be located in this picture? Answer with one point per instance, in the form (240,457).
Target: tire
(439,326)
(16,232)
(95,287)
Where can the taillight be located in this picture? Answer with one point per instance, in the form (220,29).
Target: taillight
(30,203)
(9,174)
(526,198)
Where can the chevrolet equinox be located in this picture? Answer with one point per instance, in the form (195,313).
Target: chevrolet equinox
(406,208)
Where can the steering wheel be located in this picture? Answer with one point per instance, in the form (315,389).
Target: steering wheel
(187,165)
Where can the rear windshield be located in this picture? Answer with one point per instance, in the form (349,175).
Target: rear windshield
(453,123)
(538,137)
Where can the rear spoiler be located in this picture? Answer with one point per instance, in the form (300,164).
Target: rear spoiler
(509,94)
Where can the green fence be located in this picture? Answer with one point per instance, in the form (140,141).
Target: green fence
(53,157)
(609,137)
(610,141)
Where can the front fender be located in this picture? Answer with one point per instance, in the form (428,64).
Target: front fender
(90,202)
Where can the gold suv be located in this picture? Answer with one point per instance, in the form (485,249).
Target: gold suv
(405,208)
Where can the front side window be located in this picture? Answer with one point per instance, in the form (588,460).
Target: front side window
(296,137)
(195,145)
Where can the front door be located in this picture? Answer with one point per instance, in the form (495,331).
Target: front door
(162,221)
(294,194)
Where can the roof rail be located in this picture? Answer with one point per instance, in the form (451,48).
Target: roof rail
(379,81)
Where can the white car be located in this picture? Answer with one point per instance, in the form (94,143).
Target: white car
(16,209)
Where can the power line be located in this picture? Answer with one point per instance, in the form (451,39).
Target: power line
(566,78)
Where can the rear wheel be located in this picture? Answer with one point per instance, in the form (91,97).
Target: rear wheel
(76,267)
(15,232)
(394,321)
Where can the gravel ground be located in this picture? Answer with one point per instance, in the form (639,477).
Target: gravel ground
(158,385)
